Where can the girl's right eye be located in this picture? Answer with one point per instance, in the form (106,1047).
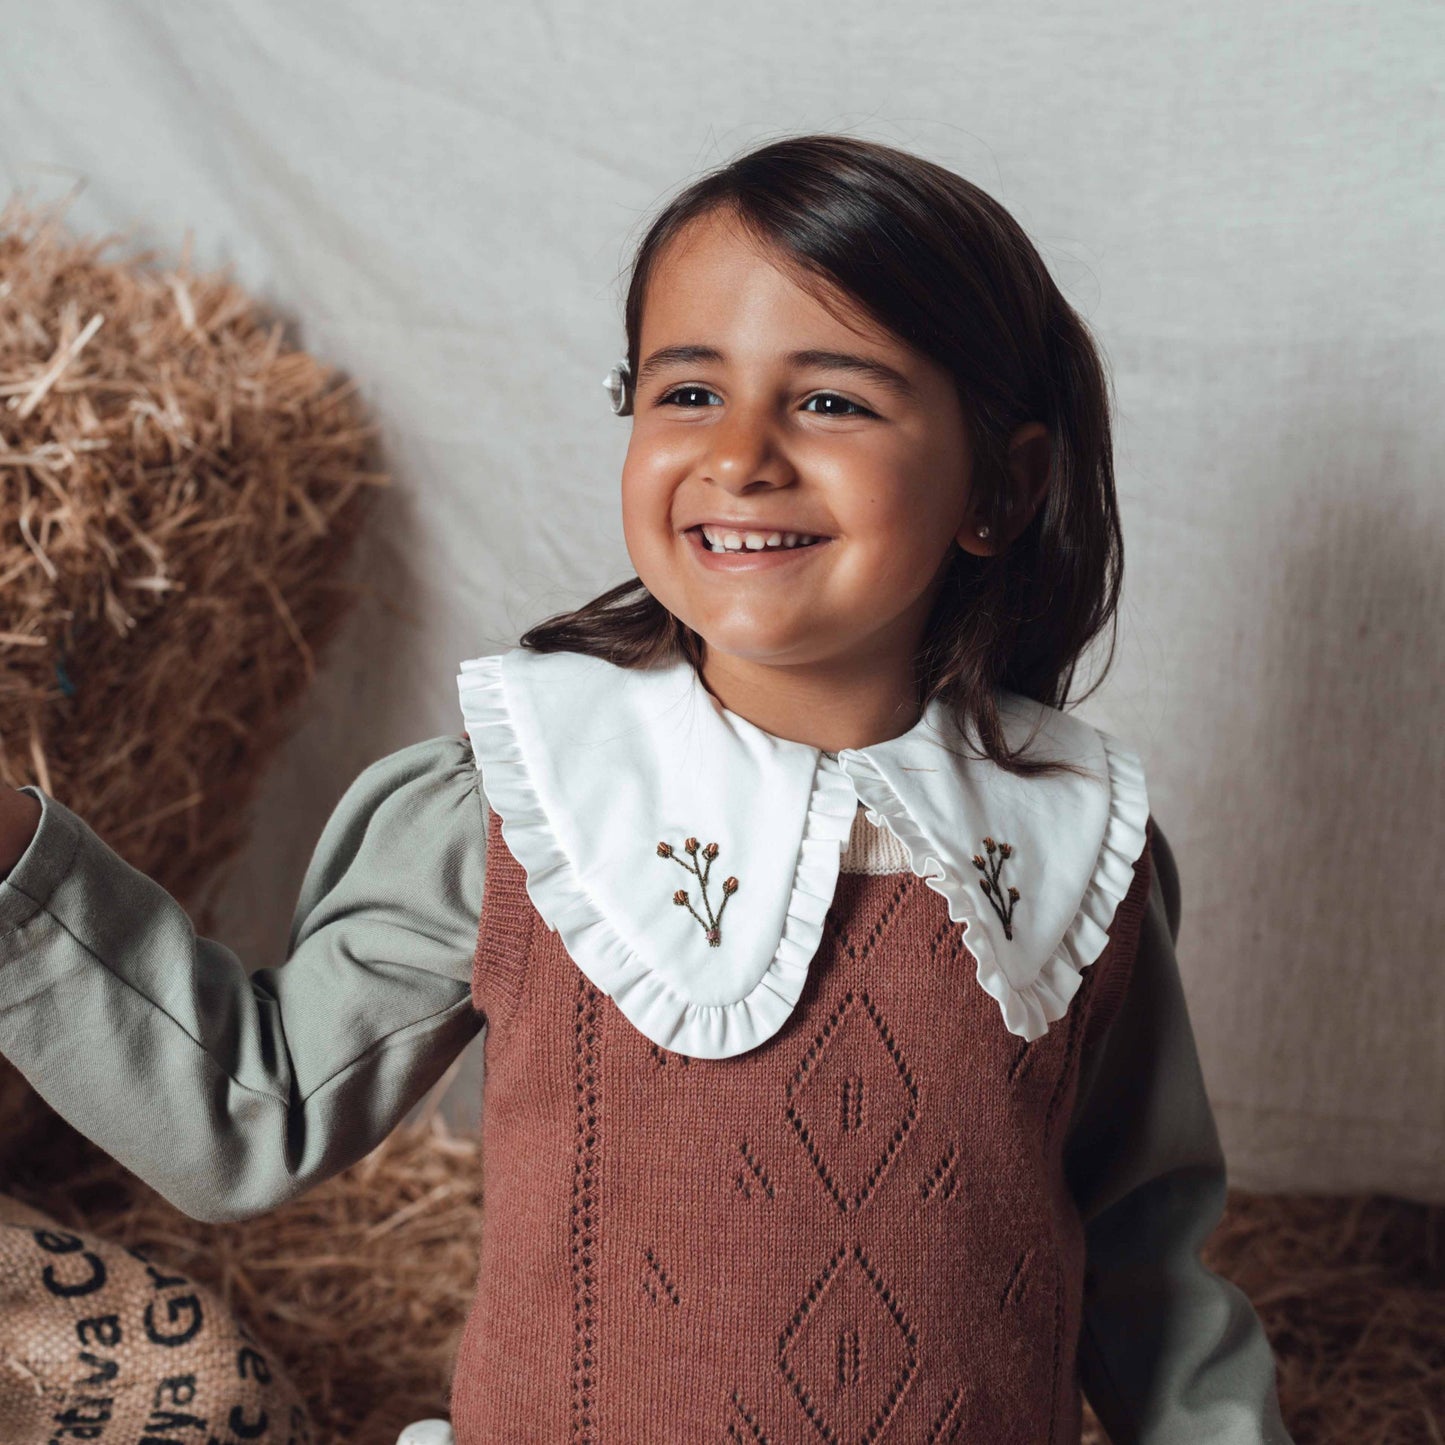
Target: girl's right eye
(667,396)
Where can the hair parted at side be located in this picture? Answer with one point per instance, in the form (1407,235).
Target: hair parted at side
(949,271)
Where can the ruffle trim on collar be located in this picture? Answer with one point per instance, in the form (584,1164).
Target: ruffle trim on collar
(649,1001)
(1030,1005)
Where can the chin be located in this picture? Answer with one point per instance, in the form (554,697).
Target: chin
(752,644)
(750,637)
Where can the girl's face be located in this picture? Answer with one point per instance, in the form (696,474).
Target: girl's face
(736,427)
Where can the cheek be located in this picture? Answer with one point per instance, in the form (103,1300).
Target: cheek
(901,509)
(896,544)
(878,573)
(640,503)
(648,480)
(647,524)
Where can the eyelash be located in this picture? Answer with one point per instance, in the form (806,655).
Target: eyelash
(861,410)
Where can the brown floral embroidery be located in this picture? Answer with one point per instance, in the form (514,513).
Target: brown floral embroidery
(713,926)
(997,852)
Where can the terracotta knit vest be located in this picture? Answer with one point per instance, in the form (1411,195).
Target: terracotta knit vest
(859,1231)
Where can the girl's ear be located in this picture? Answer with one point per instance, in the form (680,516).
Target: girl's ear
(1030,454)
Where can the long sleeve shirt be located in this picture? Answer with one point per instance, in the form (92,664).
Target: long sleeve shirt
(230,1093)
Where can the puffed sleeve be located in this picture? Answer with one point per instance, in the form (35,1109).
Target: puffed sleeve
(1169,1351)
(229,1094)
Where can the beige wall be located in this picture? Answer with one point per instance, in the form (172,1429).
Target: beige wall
(1245,203)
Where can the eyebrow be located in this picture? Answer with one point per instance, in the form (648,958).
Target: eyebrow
(867,367)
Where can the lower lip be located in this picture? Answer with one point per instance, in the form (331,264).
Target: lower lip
(750,561)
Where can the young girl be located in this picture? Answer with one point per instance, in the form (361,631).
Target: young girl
(840,1083)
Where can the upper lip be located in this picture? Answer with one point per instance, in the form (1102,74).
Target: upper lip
(742,528)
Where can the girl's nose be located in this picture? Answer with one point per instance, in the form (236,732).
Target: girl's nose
(742,447)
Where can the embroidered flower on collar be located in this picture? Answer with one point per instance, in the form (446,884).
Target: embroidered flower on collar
(990,884)
(713,927)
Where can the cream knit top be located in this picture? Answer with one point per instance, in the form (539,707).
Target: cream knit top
(872,849)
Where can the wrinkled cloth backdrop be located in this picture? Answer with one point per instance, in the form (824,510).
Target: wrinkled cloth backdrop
(1244,203)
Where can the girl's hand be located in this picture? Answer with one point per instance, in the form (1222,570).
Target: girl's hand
(19,818)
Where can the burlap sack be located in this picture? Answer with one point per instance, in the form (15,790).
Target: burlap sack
(99,1343)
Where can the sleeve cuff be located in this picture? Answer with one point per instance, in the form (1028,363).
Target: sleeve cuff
(26,889)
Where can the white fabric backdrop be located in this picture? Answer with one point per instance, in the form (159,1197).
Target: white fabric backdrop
(1245,203)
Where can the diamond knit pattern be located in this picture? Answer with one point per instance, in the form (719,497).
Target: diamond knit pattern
(855,1057)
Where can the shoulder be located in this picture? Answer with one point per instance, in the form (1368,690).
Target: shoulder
(446,756)
(567,693)
(1166,876)
(1127,788)
(416,784)
(1050,733)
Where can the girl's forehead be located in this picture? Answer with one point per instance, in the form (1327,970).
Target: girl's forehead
(711,259)
(715,272)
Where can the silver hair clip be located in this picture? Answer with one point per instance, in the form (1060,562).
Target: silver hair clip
(618,384)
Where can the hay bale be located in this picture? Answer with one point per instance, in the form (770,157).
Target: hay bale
(179,491)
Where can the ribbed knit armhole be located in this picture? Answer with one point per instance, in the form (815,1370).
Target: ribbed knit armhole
(504,933)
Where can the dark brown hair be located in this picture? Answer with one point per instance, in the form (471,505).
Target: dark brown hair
(945,268)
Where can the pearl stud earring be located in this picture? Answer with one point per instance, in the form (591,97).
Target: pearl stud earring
(983,531)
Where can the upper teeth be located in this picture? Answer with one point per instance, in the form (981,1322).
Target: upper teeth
(754,541)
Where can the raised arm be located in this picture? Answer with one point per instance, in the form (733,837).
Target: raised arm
(230,1094)
(1170,1351)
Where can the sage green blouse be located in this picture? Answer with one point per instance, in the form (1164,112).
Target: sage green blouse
(230,1094)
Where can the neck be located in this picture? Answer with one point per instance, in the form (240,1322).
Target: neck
(829,705)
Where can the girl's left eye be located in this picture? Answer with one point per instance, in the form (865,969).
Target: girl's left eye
(858,410)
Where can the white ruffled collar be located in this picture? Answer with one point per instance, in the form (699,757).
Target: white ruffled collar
(687,858)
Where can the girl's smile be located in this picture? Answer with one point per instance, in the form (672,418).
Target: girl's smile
(759,552)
